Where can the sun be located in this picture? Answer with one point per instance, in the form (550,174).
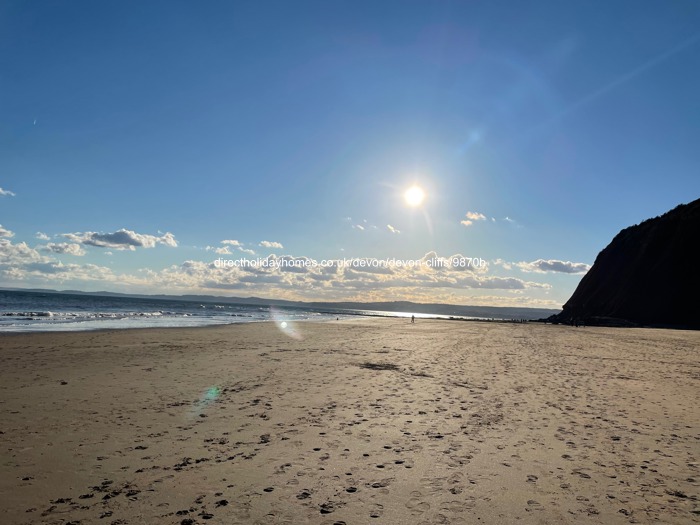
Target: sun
(414,196)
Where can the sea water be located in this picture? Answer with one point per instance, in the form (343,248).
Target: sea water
(22,311)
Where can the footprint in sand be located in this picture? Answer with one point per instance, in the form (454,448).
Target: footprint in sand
(304,494)
(416,504)
(533,505)
(376,510)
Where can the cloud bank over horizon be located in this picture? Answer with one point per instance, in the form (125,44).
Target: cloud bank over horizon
(430,278)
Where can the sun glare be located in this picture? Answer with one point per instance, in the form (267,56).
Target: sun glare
(414,196)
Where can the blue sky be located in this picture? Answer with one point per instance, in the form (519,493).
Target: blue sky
(135,135)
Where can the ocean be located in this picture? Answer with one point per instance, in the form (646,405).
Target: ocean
(38,312)
(24,311)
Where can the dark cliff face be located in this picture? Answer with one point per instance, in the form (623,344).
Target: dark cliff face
(648,275)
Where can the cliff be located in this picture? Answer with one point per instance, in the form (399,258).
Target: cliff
(648,275)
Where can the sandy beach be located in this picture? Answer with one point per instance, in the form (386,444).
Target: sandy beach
(367,421)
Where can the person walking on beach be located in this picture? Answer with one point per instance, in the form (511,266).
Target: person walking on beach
(413,319)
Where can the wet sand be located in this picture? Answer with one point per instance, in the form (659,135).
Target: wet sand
(367,421)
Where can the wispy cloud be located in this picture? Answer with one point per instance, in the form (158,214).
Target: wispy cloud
(231,242)
(553,265)
(360,224)
(513,223)
(222,250)
(392,229)
(121,239)
(6,193)
(271,244)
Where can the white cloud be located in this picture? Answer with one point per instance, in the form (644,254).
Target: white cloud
(358,227)
(226,249)
(505,283)
(6,193)
(42,236)
(4,232)
(64,248)
(121,239)
(428,282)
(19,263)
(553,265)
(222,250)
(367,265)
(504,264)
(298,278)
(167,238)
(471,217)
(17,254)
(271,244)
(392,229)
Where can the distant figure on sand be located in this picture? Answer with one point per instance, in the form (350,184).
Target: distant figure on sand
(413,319)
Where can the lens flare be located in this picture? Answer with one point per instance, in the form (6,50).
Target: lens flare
(207,398)
(285,324)
(212,394)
